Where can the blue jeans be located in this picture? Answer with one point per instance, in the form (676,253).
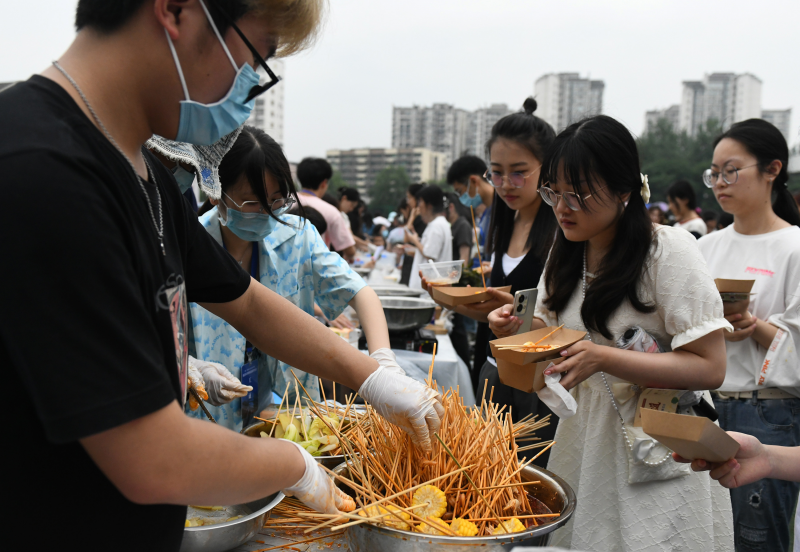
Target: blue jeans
(763,511)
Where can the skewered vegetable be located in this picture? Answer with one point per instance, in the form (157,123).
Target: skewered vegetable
(463,527)
(432,526)
(511,526)
(435,500)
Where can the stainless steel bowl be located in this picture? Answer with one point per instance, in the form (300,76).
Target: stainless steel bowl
(254,430)
(407,313)
(397,291)
(230,534)
(552,491)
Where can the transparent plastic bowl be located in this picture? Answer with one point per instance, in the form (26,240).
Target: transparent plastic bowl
(441,274)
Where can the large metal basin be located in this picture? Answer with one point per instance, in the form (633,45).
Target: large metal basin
(552,491)
(407,313)
(396,291)
(230,534)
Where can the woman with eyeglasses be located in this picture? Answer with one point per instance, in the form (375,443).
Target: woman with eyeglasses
(611,269)
(761,392)
(519,238)
(288,256)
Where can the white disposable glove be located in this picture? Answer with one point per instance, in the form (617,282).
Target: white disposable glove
(388,360)
(316,490)
(222,386)
(407,403)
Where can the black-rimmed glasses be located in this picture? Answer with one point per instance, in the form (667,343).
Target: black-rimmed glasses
(729,173)
(258,89)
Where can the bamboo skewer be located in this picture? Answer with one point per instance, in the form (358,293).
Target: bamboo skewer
(477,245)
(548,335)
(473,461)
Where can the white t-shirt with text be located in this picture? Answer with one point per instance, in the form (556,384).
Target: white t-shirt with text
(773,261)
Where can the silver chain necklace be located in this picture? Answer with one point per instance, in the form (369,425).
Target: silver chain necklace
(158,226)
(608,387)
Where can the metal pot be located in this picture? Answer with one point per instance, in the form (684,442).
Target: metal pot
(396,291)
(407,313)
(254,430)
(552,491)
(230,534)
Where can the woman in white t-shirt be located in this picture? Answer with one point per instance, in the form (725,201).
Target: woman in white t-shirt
(683,202)
(436,243)
(761,392)
(612,269)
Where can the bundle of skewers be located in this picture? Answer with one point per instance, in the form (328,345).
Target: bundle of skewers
(531,346)
(470,484)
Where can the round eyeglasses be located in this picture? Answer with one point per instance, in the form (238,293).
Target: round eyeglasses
(729,174)
(571,199)
(278,206)
(514,179)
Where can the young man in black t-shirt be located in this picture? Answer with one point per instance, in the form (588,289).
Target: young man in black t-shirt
(102,254)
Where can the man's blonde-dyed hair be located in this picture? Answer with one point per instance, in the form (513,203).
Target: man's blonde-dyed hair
(296,23)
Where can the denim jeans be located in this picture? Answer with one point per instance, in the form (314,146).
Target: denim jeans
(763,511)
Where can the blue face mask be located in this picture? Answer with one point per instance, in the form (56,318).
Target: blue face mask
(183,177)
(250,227)
(473,202)
(204,124)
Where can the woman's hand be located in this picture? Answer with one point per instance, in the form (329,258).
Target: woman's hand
(744,326)
(341,322)
(750,464)
(583,359)
(502,322)
(497,300)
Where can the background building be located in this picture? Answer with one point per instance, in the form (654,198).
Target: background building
(441,128)
(360,167)
(480,126)
(724,97)
(564,98)
(268,112)
(671,114)
(781,118)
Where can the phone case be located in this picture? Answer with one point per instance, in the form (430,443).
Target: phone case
(524,305)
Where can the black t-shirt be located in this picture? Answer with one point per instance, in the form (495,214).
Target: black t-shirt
(462,235)
(92,331)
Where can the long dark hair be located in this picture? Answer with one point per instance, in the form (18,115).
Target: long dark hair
(593,149)
(536,135)
(254,152)
(766,143)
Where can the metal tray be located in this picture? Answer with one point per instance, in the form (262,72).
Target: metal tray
(553,491)
(230,534)
(254,430)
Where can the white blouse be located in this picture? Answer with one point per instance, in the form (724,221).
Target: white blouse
(676,280)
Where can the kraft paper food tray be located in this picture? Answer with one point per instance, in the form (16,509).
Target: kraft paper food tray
(734,286)
(452,296)
(562,339)
(693,437)
(528,378)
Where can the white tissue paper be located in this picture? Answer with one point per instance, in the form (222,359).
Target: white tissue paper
(556,397)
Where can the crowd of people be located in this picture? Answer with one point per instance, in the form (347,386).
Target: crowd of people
(152,295)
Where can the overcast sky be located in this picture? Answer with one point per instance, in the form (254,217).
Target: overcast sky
(374,54)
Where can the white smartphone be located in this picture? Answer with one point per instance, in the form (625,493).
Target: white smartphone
(524,305)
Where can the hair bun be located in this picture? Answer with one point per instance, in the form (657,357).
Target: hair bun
(529,105)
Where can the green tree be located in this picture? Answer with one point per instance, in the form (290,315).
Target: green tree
(389,189)
(667,156)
